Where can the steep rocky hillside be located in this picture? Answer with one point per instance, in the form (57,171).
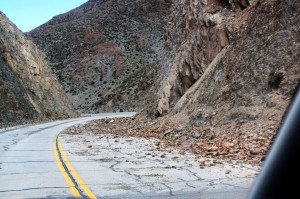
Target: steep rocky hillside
(106,53)
(230,60)
(28,90)
(228,73)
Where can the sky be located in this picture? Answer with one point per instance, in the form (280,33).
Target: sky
(29,14)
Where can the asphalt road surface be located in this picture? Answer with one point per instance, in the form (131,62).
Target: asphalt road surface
(38,162)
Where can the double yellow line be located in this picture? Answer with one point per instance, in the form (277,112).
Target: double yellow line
(78,188)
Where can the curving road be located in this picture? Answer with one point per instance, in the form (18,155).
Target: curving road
(28,168)
(37,163)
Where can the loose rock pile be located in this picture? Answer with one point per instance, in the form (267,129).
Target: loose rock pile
(227,142)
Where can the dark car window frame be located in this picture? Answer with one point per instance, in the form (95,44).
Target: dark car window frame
(277,178)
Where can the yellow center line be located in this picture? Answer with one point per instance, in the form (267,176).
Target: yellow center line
(73,172)
(80,182)
(70,183)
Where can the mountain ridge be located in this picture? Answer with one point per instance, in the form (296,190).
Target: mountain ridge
(120,46)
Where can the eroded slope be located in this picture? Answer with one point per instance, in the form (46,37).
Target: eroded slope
(28,90)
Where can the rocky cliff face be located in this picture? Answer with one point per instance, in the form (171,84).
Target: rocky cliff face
(230,62)
(28,90)
(106,53)
(196,33)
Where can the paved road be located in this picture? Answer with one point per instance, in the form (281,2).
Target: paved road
(28,168)
(36,163)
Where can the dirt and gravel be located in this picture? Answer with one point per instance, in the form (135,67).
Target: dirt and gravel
(235,142)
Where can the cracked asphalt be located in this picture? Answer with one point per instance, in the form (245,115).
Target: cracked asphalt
(129,167)
(110,166)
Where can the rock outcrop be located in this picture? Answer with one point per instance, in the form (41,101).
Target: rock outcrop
(28,89)
(230,61)
(106,53)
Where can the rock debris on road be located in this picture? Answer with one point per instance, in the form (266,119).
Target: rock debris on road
(233,146)
(141,167)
